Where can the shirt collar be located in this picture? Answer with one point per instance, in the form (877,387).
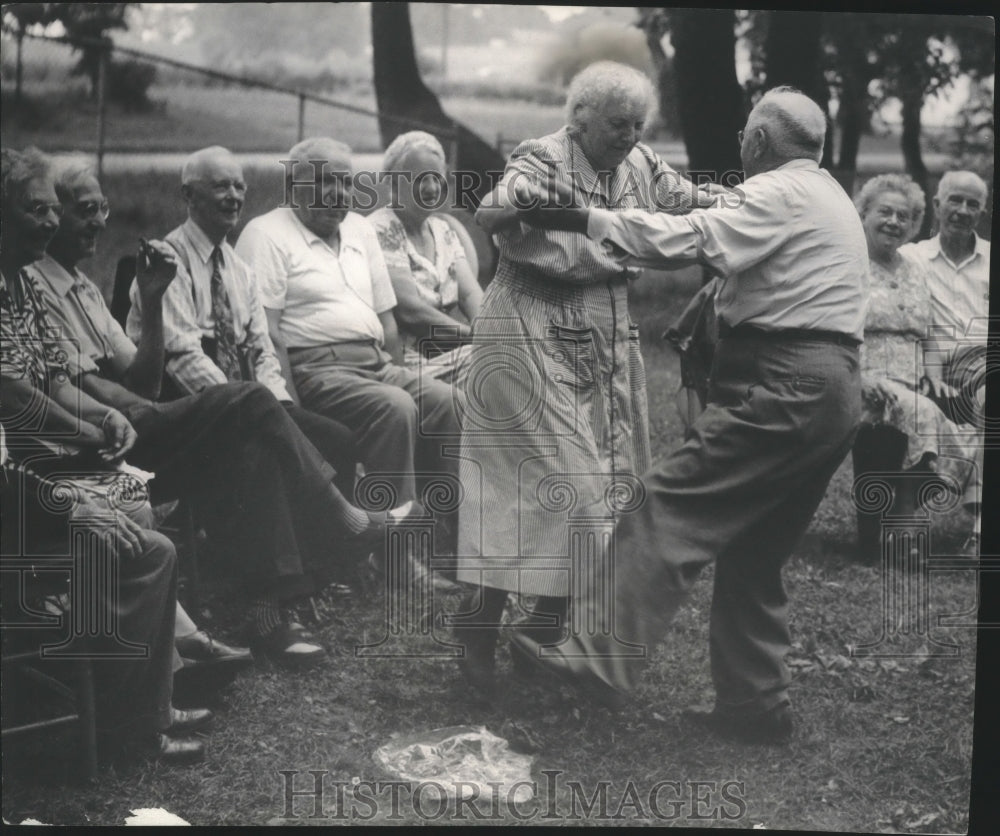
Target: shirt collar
(609,185)
(310,237)
(802,162)
(307,234)
(936,251)
(57,277)
(200,243)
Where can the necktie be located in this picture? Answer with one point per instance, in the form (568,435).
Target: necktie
(227,356)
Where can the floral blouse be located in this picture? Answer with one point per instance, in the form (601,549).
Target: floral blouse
(899,314)
(436,280)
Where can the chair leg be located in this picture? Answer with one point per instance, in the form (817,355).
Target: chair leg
(87,711)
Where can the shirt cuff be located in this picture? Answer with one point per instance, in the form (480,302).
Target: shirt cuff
(599,224)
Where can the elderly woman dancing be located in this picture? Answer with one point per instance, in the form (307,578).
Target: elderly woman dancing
(425,253)
(891,207)
(555,431)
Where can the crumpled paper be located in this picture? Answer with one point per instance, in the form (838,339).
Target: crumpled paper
(152,816)
(457,759)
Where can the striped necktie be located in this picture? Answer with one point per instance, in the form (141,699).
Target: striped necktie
(227,355)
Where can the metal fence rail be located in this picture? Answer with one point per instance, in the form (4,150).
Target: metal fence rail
(107,49)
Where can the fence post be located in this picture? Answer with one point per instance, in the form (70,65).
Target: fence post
(302,117)
(102,83)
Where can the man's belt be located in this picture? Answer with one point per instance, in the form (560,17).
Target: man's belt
(752,332)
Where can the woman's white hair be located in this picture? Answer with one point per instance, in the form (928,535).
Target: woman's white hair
(405,144)
(901,184)
(601,81)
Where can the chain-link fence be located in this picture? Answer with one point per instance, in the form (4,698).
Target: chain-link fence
(124,100)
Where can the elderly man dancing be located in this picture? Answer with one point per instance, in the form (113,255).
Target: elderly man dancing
(783,408)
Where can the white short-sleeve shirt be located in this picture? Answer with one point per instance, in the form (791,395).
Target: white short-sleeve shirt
(324,296)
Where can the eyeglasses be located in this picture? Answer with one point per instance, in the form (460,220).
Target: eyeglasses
(88,210)
(39,210)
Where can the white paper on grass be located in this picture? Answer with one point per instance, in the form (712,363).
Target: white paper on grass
(457,760)
(154,816)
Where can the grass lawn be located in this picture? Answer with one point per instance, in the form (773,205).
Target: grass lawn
(882,745)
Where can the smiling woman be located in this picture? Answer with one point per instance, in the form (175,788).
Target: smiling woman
(555,383)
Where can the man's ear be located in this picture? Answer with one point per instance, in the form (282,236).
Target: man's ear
(186,192)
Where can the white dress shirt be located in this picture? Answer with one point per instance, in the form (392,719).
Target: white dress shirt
(960,293)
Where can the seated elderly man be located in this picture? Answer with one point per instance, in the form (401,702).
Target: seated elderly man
(265,491)
(957,262)
(329,303)
(214,328)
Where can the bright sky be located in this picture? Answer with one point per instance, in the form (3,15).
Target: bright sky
(559,13)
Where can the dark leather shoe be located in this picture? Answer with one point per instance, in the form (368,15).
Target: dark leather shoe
(290,644)
(179,752)
(186,721)
(201,649)
(774,726)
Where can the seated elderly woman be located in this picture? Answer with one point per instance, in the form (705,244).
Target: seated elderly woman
(427,254)
(901,428)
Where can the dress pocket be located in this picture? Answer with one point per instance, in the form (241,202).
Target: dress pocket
(569,354)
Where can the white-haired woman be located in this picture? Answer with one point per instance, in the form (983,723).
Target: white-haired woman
(893,373)
(556,427)
(426,255)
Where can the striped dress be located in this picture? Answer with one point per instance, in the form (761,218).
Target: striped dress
(556,428)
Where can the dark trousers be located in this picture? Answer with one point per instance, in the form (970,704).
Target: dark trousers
(404,423)
(263,487)
(740,491)
(133,694)
(335,442)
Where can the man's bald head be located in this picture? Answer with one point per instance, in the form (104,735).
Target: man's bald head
(784,125)
(214,190)
(202,163)
(952,180)
(336,154)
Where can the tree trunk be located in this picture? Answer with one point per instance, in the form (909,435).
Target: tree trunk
(709,99)
(400,92)
(911,95)
(794,55)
